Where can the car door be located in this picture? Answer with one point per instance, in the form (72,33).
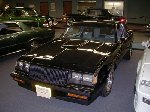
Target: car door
(9,38)
(7,43)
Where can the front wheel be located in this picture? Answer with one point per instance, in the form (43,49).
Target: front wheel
(128,54)
(107,85)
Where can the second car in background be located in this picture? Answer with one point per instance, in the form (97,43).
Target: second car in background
(16,36)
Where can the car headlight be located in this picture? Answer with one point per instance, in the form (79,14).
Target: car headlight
(83,78)
(23,66)
(26,67)
(76,76)
(87,78)
(19,65)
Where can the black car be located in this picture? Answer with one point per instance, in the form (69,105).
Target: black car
(79,66)
(92,14)
(16,36)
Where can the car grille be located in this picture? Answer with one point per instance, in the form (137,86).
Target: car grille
(49,75)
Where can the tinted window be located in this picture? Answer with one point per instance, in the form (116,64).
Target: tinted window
(95,12)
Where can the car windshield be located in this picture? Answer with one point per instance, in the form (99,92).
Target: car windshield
(30,12)
(103,33)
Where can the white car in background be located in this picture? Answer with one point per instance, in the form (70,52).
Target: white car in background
(142,85)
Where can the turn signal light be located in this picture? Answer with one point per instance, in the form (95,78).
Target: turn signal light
(18,80)
(77,96)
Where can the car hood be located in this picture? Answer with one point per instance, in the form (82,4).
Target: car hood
(74,54)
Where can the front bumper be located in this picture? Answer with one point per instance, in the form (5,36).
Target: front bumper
(85,97)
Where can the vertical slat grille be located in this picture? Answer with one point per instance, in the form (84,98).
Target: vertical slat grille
(49,75)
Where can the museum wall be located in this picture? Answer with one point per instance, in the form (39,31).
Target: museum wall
(136,11)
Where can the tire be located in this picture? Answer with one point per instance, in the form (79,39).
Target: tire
(107,85)
(128,54)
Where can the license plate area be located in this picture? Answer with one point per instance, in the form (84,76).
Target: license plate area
(43,91)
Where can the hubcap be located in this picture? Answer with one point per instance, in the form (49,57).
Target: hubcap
(130,52)
(109,81)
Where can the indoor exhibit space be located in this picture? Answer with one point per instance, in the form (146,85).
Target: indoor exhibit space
(74,55)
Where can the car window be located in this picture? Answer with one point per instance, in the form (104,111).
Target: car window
(95,12)
(99,33)
(29,12)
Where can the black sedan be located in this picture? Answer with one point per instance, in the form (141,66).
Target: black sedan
(15,36)
(79,66)
(94,13)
